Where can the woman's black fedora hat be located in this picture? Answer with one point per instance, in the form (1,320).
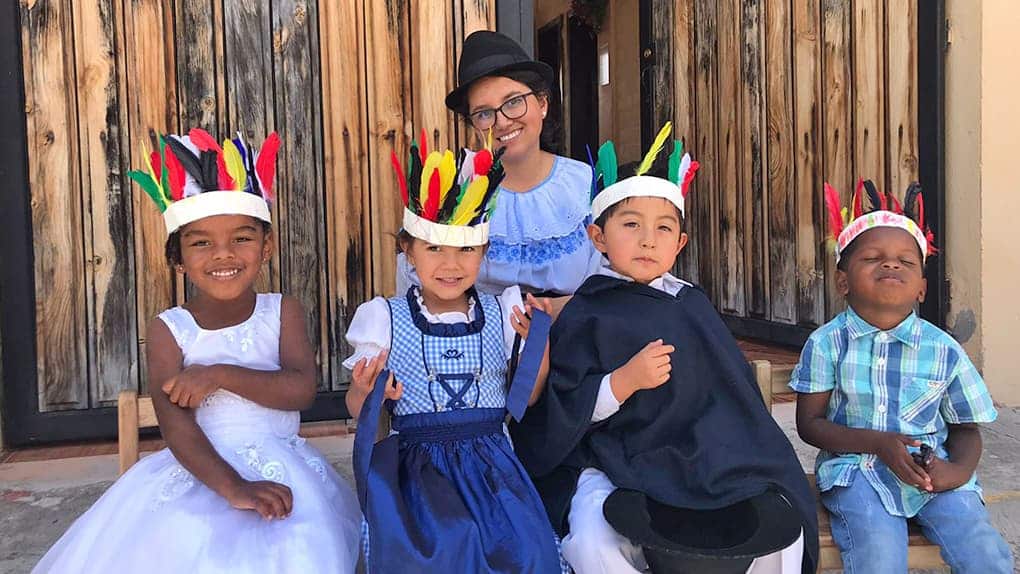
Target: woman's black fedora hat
(722,541)
(487,53)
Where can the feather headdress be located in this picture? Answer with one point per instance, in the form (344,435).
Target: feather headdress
(193,176)
(607,189)
(448,201)
(869,208)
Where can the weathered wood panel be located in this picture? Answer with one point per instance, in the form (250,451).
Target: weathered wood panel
(389,109)
(901,64)
(751,153)
(869,90)
(151,100)
(298,188)
(346,171)
(807,133)
(430,49)
(837,123)
(780,161)
(661,85)
(706,123)
(731,216)
(200,88)
(248,61)
(57,220)
(108,239)
(685,120)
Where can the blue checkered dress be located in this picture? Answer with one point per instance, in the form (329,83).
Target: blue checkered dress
(913,379)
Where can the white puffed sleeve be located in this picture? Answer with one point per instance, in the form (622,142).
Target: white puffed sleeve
(370,331)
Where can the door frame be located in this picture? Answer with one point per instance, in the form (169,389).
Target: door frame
(931,48)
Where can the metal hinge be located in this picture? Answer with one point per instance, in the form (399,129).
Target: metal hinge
(947,39)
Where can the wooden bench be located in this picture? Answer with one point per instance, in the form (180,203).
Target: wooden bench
(133,414)
(921,553)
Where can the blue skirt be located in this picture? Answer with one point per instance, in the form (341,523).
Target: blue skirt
(447,494)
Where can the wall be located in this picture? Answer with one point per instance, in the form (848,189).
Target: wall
(620,101)
(983,190)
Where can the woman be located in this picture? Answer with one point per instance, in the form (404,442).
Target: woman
(537,232)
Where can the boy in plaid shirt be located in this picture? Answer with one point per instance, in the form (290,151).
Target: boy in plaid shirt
(893,403)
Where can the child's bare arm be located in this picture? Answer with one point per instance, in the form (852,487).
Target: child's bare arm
(189,444)
(291,388)
(816,429)
(964,445)
(363,380)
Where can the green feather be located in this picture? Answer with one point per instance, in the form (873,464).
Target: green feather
(674,162)
(607,163)
(150,187)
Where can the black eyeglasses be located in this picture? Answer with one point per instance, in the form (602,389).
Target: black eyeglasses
(511,109)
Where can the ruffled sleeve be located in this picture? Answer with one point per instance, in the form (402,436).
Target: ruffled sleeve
(370,331)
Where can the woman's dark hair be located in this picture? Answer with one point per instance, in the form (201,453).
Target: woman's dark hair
(551,139)
(172,249)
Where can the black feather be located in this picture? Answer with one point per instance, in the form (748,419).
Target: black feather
(414,169)
(873,196)
(210,171)
(187,159)
(910,200)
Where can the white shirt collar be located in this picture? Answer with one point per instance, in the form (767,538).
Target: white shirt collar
(666,283)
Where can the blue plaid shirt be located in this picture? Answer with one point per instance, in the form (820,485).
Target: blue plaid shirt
(913,379)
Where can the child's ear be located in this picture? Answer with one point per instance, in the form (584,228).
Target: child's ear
(598,238)
(924,290)
(681,243)
(842,283)
(267,246)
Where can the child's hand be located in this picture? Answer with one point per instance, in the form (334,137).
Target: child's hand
(891,448)
(946,475)
(270,499)
(522,319)
(648,369)
(366,371)
(189,387)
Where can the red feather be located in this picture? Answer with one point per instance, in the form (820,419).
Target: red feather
(423,147)
(896,207)
(431,208)
(203,141)
(265,165)
(832,205)
(858,209)
(175,174)
(688,177)
(882,203)
(157,166)
(483,162)
(920,211)
(400,176)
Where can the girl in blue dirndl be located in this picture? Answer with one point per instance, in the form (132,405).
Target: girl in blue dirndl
(444,492)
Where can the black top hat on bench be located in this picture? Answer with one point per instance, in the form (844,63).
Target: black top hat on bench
(720,541)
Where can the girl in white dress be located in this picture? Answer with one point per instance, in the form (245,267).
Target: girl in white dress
(237,490)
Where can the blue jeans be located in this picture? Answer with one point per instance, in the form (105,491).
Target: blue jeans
(872,541)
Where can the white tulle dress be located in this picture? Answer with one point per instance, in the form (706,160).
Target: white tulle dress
(158,518)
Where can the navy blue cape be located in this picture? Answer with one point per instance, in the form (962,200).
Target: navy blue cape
(703,440)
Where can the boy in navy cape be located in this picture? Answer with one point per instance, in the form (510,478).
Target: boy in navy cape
(651,447)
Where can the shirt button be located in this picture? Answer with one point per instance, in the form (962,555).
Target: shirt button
(880,337)
(869,465)
(880,362)
(881,408)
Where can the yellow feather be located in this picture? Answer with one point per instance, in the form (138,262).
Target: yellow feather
(660,140)
(235,165)
(431,163)
(469,204)
(447,173)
